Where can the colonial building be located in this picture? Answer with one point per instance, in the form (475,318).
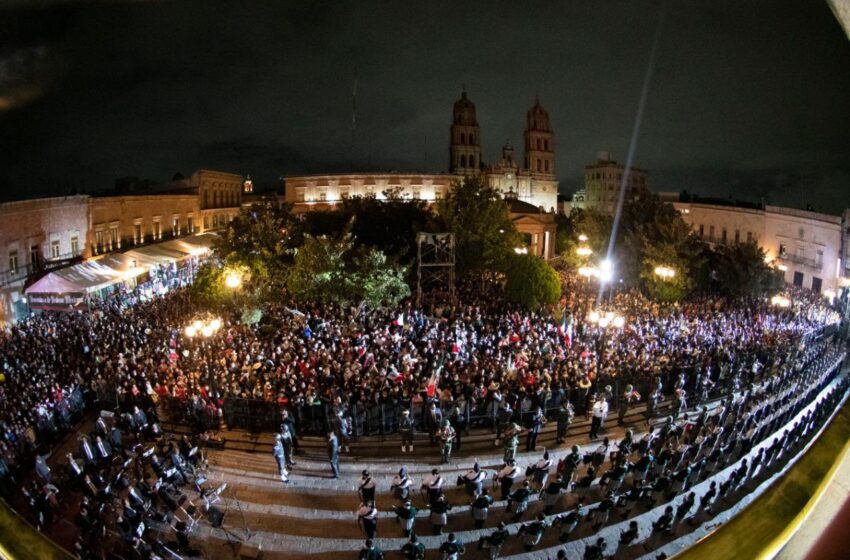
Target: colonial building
(602,181)
(530,180)
(808,247)
(44,234)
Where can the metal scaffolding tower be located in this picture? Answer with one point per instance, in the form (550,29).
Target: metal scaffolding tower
(436,271)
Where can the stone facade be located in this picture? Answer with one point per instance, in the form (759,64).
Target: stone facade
(806,246)
(37,235)
(42,234)
(602,181)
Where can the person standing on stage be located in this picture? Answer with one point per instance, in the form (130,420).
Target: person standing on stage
(537,423)
(280,457)
(565,419)
(333,453)
(405,428)
(626,399)
(599,412)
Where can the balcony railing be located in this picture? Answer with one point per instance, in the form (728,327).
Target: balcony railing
(42,265)
(806,261)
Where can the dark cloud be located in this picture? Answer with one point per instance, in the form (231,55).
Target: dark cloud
(747,97)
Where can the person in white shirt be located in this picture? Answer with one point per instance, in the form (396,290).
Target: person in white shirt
(599,412)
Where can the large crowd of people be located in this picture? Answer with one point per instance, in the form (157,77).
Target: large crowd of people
(355,371)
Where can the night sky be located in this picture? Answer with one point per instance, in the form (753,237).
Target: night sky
(747,98)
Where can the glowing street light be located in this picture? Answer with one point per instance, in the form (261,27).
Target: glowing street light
(606,270)
(619,322)
(191,331)
(593,317)
(232,280)
(215,324)
(207,331)
(587,271)
(521,250)
(582,237)
(584,251)
(197,325)
(780,301)
(665,272)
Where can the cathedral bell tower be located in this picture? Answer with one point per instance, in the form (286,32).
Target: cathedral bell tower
(539,143)
(465,140)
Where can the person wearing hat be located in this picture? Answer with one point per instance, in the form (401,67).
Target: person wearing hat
(452,549)
(480,508)
(494,541)
(511,442)
(280,457)
(413,549)
(626,399)
(405,428)
(366,488)
(447,436)
(406,514)
(401,484)
(473,481)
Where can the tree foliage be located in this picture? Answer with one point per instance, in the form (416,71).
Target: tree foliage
(328,269)
(740,270)
(389,224)
(257,241)
(480,219)
(595,225)
(531,282)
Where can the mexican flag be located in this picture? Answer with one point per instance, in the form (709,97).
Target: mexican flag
(433,381)
(566,329)
(399,322)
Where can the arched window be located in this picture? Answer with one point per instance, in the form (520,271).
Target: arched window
(472,161)
(539,166)
(463,160)
(462,138)
(539,144)
(546,145)
(546,165)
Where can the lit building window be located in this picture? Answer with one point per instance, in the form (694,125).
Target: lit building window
(54,249)
(75,246)
(13,262)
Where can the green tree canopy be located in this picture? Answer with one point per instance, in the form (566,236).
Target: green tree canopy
(328,269)
(740,270)
(531,282)
(485,236)
(257,241)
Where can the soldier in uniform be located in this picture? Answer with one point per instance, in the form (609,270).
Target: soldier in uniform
(451,549)
(626,399)
(494,541)
(406,514)
(439,514)
(652,402)
(405,428)
(433,485)
(533,531)
(551,494)
(447,436)
(480,508)
(511,437)
(413,549)
(565,419)
(540,471)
